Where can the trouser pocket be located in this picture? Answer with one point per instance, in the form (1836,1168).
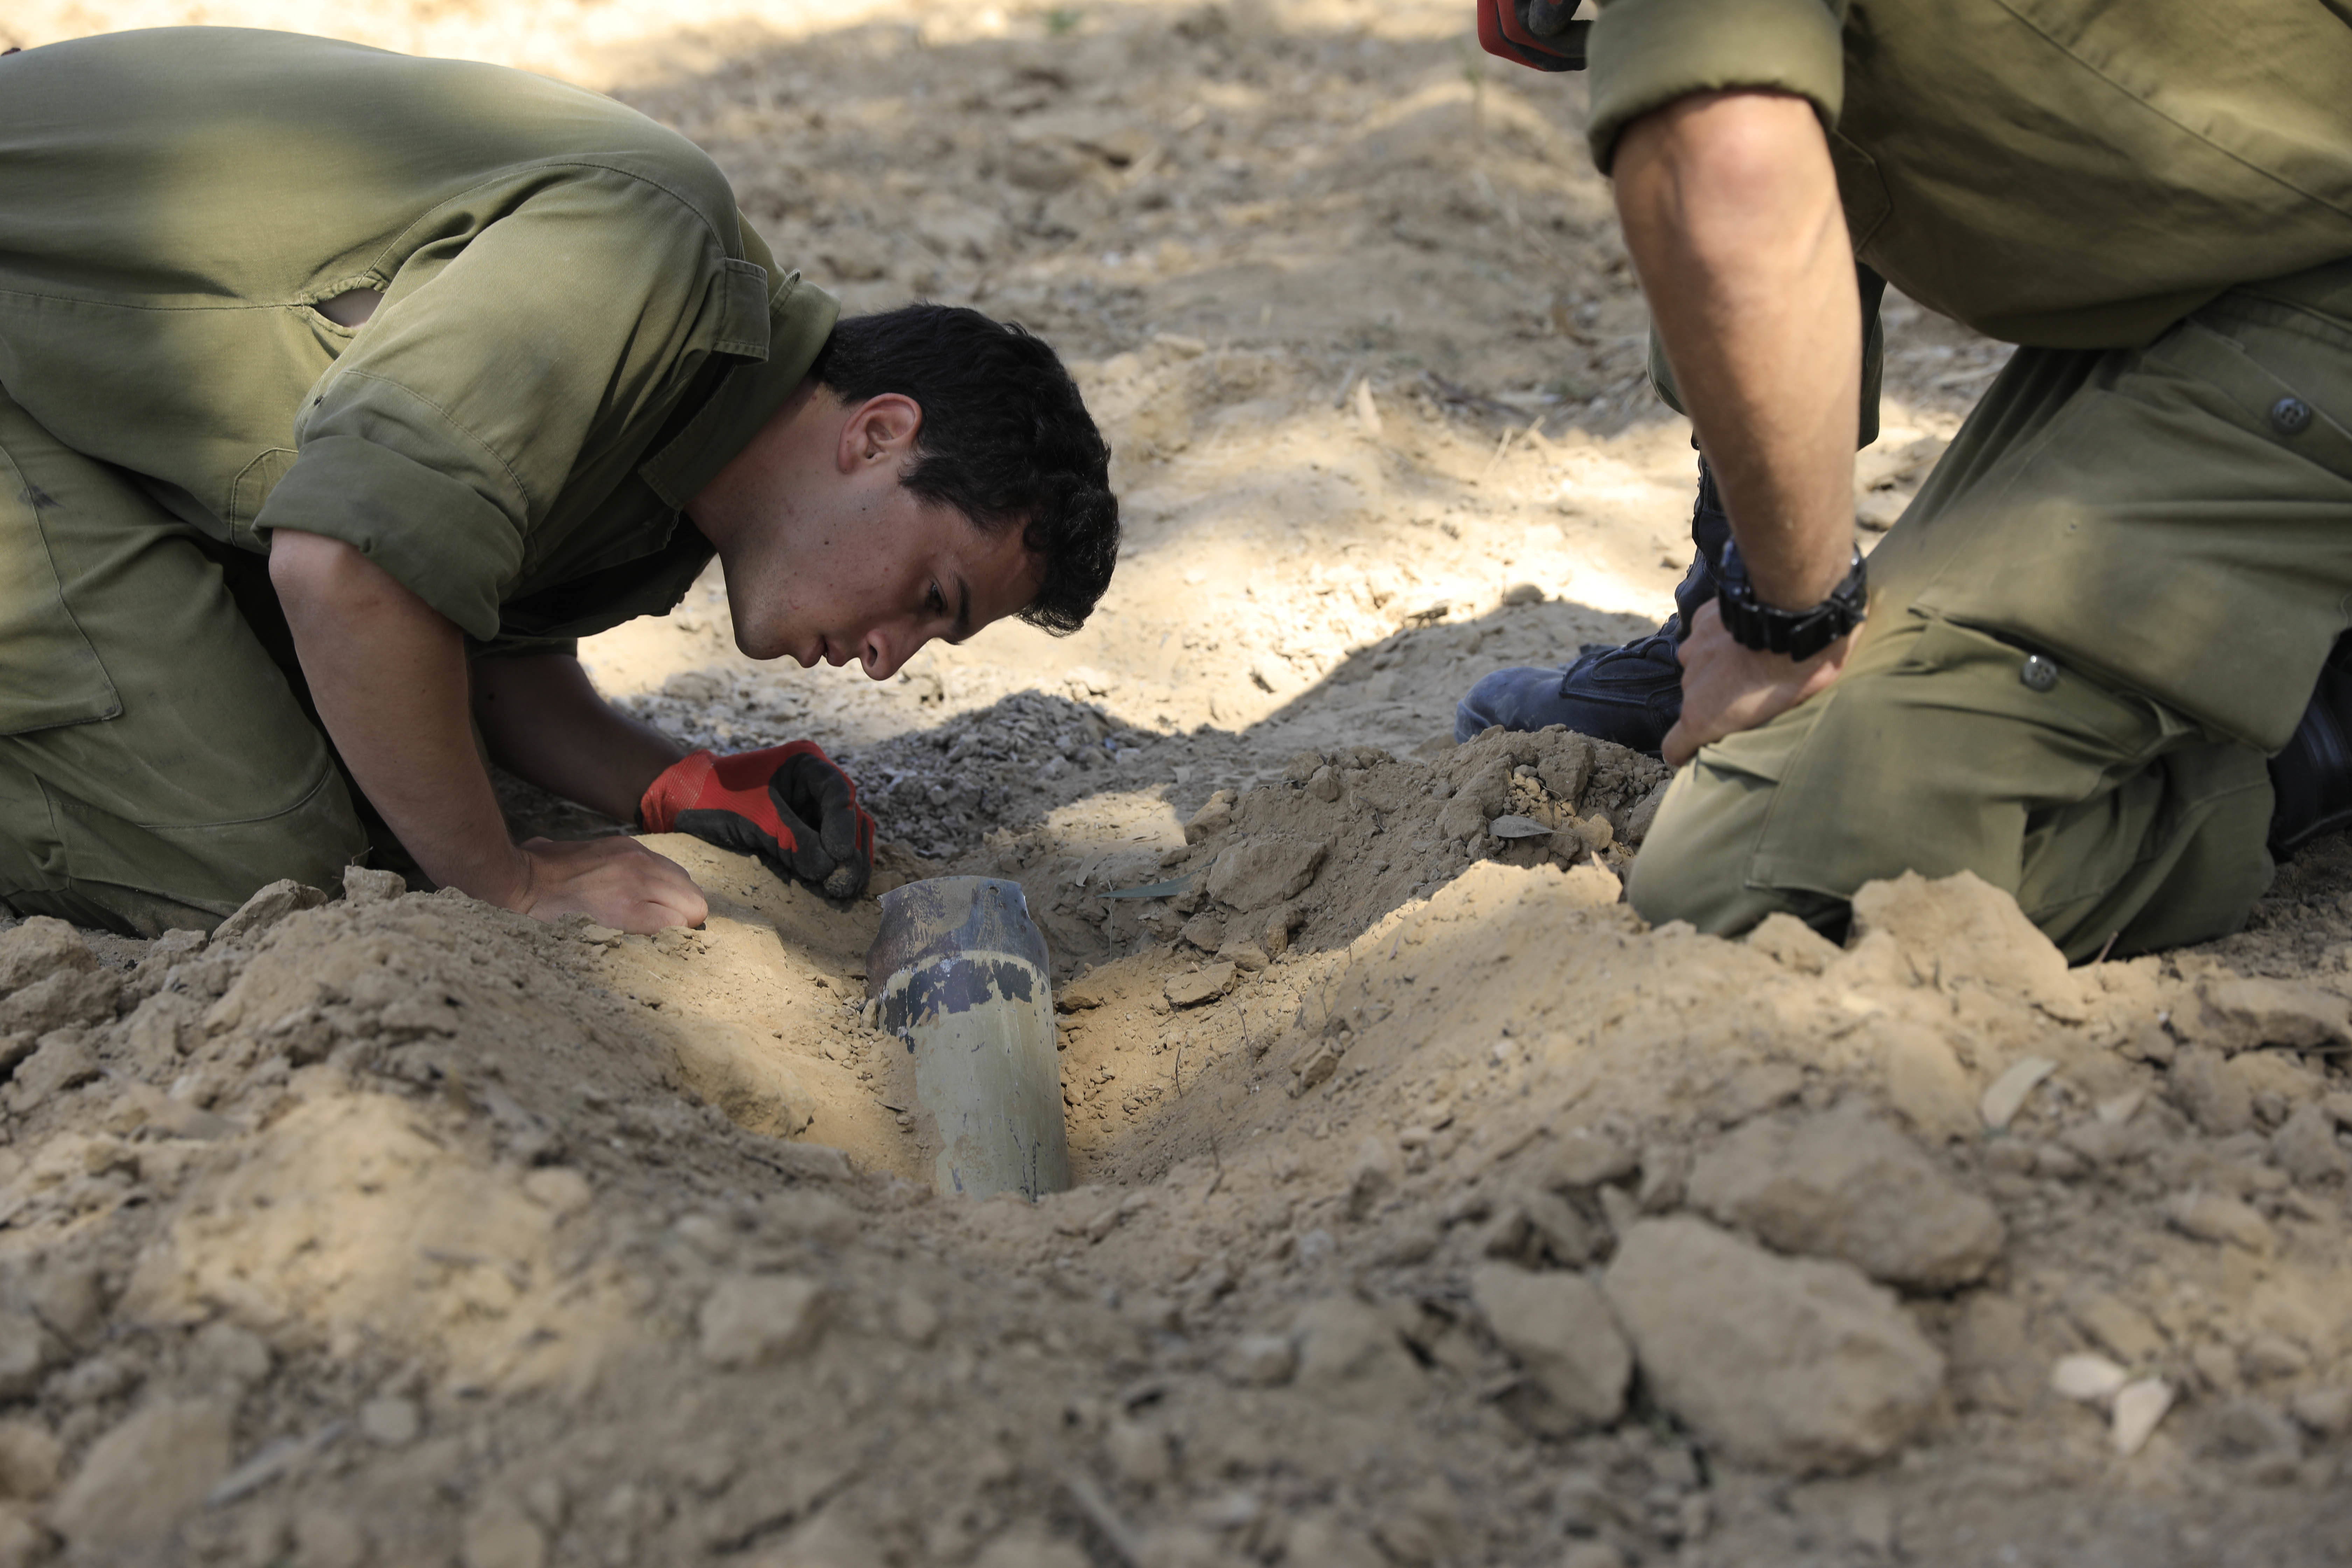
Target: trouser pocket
(49,673)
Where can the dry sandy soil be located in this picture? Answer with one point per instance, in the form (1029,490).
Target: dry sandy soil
(1432,1209)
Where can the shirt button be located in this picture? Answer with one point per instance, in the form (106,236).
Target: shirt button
(2290,416)
(2038,673)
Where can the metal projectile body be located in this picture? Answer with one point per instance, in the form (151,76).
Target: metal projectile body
(959,972)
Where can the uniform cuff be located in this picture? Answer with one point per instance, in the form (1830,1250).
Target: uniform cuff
(438,536)
(1647,53)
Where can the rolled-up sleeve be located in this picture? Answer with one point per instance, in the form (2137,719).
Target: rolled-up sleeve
(440,441)
(1647,53)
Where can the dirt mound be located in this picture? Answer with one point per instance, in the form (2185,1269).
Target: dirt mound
(399,1198)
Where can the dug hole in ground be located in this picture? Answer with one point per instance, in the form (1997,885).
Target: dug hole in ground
(1431,1209)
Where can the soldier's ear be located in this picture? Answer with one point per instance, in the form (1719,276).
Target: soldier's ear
(881,429)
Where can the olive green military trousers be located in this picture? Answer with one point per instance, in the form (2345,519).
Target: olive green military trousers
(156,767)
(2105,609)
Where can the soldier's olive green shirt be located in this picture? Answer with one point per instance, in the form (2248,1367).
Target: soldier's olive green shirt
(576,332)
(2068,173)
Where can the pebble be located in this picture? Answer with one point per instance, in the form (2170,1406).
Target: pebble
(26,1349)
(2138,1407)
(1262,1361)
(2007,1094)
(2327,1412)
(1785,1363)
(2210,1216)
(142,1477)
(2087,1379)
(2305,1146)
(1557,1326)
(31,1459)
(1926,1082)
(1206,983)
(362,885)
(2215,1099)
(761,1319)
(1845,1185)
(390,1421)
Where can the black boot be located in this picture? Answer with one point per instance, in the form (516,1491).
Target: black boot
(2312,779)
(1632,693)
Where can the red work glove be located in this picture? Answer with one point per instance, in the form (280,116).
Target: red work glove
(788,805)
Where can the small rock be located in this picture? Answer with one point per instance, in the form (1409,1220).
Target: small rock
(1206,983)
(2215,1098)
(914,1318)
(1557,1327)
(27,1351)
(1324,785)
(2269,1354)
(61,1000)
(1926,1082)
(391,1422)
(2211,1216)
(222,1355)
(499,1533)
(139,1480)
(1213,818)
(757,1319)
(2326,1412)
(1845,1185)
(1266,870)
(64,1061)
(68,1297)
(264,909)
(43,945)
(1786,1363)
(1349,1349)
(2138,1407)
(2116,1323)
(559,1189)
(362,885)
(2232,1013)
(1961,928)
(1793,943)
(31,1459)
(1205,930)
(1262,1361)
(2261,1440)
(1581,1157)
(2005,1095)
(22,1542)
(2087,1379)
(2305,1146)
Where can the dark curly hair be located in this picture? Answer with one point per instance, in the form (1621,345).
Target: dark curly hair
(1005,438)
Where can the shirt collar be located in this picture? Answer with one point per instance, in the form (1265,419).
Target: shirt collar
(800,318)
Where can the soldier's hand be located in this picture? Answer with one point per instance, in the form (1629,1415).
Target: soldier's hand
(1728,687)
(616,882)
(791,806)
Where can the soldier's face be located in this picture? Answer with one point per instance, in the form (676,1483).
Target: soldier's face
(830,558)
(872,573)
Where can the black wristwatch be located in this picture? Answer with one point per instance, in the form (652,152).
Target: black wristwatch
(1800,633)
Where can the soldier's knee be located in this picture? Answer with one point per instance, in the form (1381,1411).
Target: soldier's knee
(1697,863)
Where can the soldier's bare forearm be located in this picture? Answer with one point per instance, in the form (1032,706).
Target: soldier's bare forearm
(1730,210)
(388,674)
(543,718)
